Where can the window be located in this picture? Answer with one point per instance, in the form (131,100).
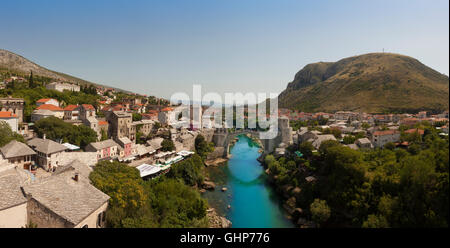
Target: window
(101,219)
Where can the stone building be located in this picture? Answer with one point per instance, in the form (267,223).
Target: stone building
(107,149)
(13,105)
(143,126)
(381,138)
(120,125)
(13,204)
(49,153)
(62,86)
(65,200)
(17,154)
(11,119)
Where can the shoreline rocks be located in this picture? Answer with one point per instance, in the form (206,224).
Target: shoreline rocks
(217,221)
(208,185)
(215,162)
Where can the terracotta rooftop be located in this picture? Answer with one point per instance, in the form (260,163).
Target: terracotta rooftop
(7,114)
(70,107)
(414,130)
(49,107)
(386,132)
(88,106)
(45,100)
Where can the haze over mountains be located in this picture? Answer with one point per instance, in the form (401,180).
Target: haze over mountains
(375,82)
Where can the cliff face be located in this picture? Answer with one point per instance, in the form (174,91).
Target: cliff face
(376,82)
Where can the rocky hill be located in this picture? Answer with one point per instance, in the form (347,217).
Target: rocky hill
(376,82)
(16,64)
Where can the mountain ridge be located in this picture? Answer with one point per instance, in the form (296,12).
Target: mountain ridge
(374,82)
(10,61)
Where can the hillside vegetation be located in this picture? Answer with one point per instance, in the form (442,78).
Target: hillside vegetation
(376,83)
(13,64)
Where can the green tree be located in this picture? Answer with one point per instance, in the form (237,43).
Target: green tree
(58,130)
(7,135)
(167,145)
(30,81)
(375,221)
(104,135)
(320,211)
(306,148)
(202,147)
(137,117)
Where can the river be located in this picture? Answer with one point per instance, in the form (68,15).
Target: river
(253,203)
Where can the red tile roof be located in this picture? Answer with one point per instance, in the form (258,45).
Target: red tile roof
(70,107)
(88,106)
(420,131)
(167,109)
(6,114)
(45,100)
(101,123)
(50,107)
(386,132)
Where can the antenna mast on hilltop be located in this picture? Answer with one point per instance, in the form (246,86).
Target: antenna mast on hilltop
(383,50)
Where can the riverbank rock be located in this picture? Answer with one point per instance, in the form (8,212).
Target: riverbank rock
(208,185)
(215,162)
(202,190)
(217,221)
(224,189)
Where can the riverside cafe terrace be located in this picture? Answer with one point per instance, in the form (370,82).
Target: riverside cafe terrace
(162,166)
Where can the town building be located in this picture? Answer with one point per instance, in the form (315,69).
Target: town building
(17,154)
(86,111)
(47,101)
(364,143)
(71,112)
(143,126)
(63,86)
(381,138)
(11,119)
(13,204)
(13,105)
(166,116)
(47,110)
(120,125)
(107,149)
(65,200)
(49,153)
(321,138)
(125,144)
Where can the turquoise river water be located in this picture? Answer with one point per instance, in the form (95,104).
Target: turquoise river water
(252,201)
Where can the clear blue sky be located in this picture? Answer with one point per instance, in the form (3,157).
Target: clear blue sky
(159,47)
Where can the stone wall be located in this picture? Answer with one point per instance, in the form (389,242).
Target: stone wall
(43,217)
(91,220)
